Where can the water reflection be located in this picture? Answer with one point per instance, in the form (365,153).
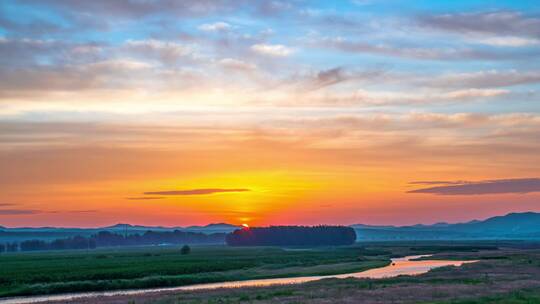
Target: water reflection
(399,266)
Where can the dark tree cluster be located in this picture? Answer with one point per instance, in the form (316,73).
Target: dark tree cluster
(292,236)
(9,247)
(77,242)
(109,239)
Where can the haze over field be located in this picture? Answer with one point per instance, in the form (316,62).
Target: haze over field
(179,113)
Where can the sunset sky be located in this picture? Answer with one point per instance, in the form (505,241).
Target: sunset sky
(189,112)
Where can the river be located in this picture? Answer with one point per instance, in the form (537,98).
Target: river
(400,266)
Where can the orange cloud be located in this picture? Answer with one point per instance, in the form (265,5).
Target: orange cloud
(196,191)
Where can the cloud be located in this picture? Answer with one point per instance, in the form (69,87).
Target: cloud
(330,77)
(236,64)
(273,8)
(500,23)
(138,9)
(34,152)
(25,52)
(334,76)
(196,191)
(27,28)
(82,211)
(31,211)
(385,98)
(15,211)
(35,82)
(508,41)
(420,52)
(439,182)
(192,134)
(143,198)
(275,50)
(499,186)
(18,211)
(168,52)
(474,93)
(214,27)
(484,79)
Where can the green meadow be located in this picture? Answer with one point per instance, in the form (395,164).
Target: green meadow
(128,268)
(508,272)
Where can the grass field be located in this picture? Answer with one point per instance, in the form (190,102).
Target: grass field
(516,297)
(57,272)
(281,296)
(509,275)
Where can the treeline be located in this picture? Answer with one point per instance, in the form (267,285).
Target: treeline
(270,236)
(109,239)
(9,247)
(292,236)
(77,242)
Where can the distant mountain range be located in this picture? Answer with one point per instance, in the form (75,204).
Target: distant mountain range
(517,226)
(522,226)
(52,233)
(210,228)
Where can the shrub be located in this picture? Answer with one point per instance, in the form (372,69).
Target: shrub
(185,249)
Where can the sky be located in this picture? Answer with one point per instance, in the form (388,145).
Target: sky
(191,112)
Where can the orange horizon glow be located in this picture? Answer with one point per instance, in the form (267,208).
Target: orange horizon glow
(277,187)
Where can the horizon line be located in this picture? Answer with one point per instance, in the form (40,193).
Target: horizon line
(239,225)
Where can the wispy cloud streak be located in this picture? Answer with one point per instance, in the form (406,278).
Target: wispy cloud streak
(518,185)
(144,198)
(196,191)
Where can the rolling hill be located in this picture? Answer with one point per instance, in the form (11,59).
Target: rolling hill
(519,226)
(513,226)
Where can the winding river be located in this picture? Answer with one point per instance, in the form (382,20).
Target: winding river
(408,265)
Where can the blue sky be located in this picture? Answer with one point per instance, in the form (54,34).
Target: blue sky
(401,39)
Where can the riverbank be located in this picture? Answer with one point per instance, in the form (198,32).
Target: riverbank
(152,267)
(156,267)
(410,265)
(502,277)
